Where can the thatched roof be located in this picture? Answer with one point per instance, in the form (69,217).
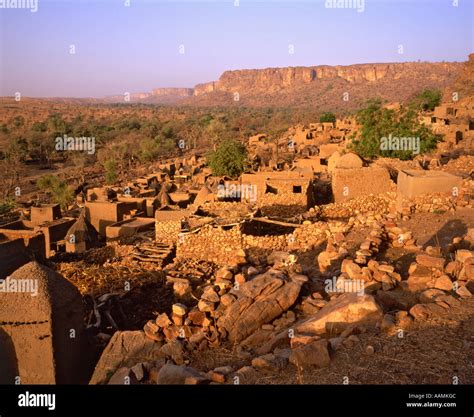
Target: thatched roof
(163,198)
(82,230)
(203,195)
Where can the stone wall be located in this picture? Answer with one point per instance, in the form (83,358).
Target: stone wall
(228,247)
(283,205)
(167,231)
(213,244)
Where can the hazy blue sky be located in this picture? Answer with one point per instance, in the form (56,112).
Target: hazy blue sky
(136,48)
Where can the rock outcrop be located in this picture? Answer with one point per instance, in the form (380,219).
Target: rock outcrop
(258,302)
(320,85)
(347,309)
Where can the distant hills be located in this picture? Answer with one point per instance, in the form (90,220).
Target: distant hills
(336,88)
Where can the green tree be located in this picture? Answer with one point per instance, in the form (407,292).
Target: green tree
(378,123)
(19,121)
(229,159)
(110,167)
(61,192)
(6,205)
(39,127)
(327,117)
(149,150)
(427,100)
(216,132)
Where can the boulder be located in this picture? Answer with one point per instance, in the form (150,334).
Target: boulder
(174,350)
(463,254)
(430,261)
(246,375)
(125,349)
(431,295)
(171,374)
(313,354)
(258,302)
(425,311)
(345,310)
(443,283)
(123,376)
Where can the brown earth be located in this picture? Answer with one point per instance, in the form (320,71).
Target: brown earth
(431,352)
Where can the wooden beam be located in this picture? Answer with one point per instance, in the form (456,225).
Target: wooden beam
(276,222)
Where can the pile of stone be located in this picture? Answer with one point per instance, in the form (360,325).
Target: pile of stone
(195,321)
(439,285)
(400,237)
(336,250)
(370,204)
(464,242)
(464,163)
(188,319)
(190,270)
(226,210)
(371,245)
(261,312)
(462,267)
(430,203)
(313,303)
(313,234)
(234,304)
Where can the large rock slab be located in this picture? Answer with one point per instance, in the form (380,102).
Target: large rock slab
(179,375)
(258,302)
(314,354)
(42,336)
(125,349)
(347,309)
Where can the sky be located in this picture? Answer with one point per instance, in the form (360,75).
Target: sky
(147,44)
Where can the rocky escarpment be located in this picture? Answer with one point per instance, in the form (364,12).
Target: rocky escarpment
(337,88)
(325,85)
(464,84)
(177,92)
(276,79)
(156,96)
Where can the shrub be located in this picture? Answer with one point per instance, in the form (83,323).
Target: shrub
(377,122)
(427,100)
(110,167)
(229,159)
(327,117)
(61,192)
(149,150)
(6,205)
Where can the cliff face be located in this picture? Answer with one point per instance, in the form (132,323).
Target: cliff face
(464,84)
(337,88)
(177,92)
(325,86)
(204,88)
(277,79)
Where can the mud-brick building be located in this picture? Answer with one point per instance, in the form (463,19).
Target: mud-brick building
(281,187)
